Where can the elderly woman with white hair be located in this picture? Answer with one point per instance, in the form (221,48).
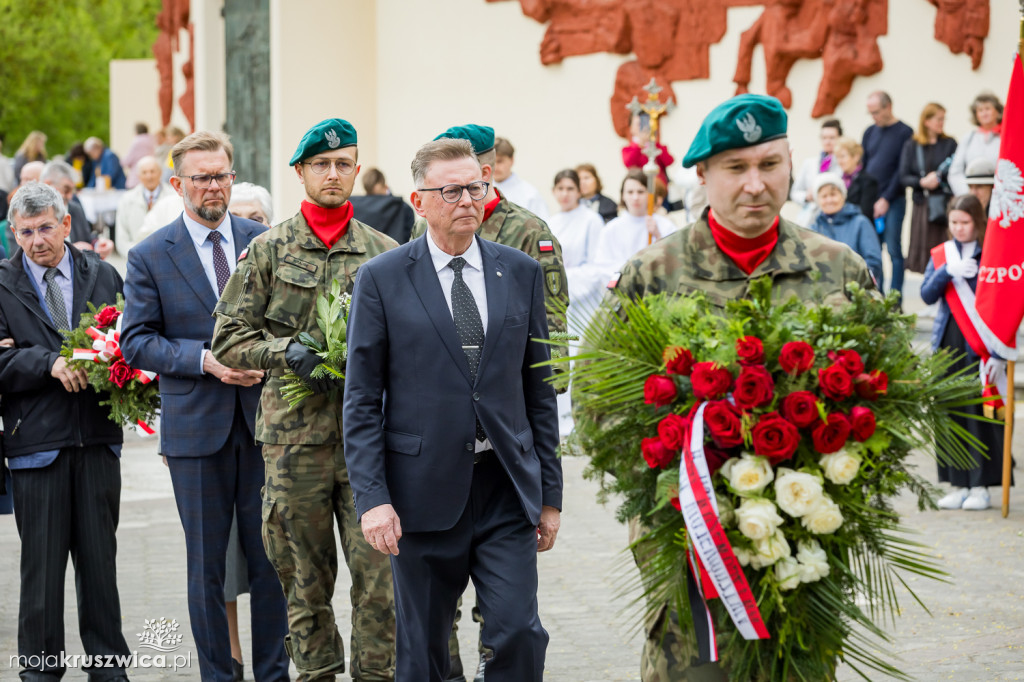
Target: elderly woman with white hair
(844,222)
(252,202)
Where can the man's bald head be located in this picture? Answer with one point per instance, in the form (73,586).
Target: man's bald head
(149,172)
(31,172)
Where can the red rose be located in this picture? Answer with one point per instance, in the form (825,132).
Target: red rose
(672,431)
(775,438)
(678,360)
(120,373)
(870,385)
(796,357)
(750,350)
(107,316)
(659,390)
(831,435)
(754,387)
(835,382)
(710,380)
(801,408)
(715,457)
(674,501)
(850,360)
(723,423)
(862,421)
(656,454)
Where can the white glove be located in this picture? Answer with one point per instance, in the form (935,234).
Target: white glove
(956,269)
(969,266)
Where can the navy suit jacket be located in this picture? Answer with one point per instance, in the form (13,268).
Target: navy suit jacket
(168,322)
(410,407)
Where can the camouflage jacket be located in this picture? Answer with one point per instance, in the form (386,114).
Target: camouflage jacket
(270,299)
(512,225)
(802,264)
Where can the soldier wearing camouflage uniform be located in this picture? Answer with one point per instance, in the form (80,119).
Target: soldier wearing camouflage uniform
(742,158)
(268,302)
(512,225)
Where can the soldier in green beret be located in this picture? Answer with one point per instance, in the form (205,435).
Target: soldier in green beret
(268,302)
(743,160)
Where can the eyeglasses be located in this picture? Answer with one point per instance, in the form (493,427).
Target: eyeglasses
(45,231)
(321,166)
(452,194)
(204,181)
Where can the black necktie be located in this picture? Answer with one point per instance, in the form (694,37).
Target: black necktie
(55,299)
(220,262)
(468,324)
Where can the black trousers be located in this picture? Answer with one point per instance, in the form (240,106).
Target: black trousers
(69,507)
(494,544)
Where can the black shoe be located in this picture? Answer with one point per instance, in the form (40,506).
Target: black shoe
(237,671)
(480,668)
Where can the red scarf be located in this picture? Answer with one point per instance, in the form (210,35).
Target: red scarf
(491,205)
(997,129)
(329,224)
(747,253)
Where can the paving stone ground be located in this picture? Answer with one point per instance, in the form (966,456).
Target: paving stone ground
(975,631)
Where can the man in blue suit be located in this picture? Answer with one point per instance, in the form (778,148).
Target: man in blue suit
(208,411)
(451,441)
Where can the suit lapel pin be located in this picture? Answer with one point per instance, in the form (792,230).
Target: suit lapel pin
(499,272)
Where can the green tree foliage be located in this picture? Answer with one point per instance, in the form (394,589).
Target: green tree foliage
(54,65)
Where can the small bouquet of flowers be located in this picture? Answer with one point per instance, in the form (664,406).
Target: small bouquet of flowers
(760,447)
(95,346)
(332,319)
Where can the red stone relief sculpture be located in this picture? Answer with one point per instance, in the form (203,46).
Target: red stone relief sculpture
(172,18)
(671,40)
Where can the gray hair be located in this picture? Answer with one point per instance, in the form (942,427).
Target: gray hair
(33,199)
(246,193)
(445,149)
(92,143)
(57,170)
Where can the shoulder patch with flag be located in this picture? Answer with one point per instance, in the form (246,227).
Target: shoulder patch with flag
(614,281)
(241,256)
(545,245)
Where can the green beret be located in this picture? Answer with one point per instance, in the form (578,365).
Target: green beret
(333,133)
(742,121)
(481,137)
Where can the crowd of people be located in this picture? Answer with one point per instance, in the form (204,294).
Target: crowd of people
(217,294)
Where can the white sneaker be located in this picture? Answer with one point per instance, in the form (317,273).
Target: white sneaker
(977,500)
(954,499)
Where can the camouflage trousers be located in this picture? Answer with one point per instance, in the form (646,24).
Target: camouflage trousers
(307,488)
(453,639)
(670,653)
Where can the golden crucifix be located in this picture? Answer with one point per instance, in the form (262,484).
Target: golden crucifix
(654,108)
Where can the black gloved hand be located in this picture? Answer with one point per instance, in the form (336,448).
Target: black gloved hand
(303,361)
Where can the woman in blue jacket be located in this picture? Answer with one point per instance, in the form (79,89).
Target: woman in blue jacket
(845,223)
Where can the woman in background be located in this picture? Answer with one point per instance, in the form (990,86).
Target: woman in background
(981,143)
(924,164)
(822,162)
(861,188)
(590,188)
(32,149)
(633,231)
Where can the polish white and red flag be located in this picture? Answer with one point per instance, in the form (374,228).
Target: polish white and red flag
(999,297)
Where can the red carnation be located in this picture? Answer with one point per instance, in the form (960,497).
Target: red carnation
(850,360)
(862,421)
(796,357)
(672,431)
(710,380)
(655,453)
(120,373)
(831,435)
(750,350)
(659,390)
(801,408)
(107,316)
(870,385)
(835,382)
(775,438)
(678,360)
(723,423)
(754,387)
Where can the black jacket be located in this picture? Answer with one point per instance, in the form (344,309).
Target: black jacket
(934,156)
(38,413)
(385,213)
(863,192)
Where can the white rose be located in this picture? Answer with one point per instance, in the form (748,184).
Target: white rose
(770,549)
(813,561)
(749,474)
(825,517)
(757,518)
(743,555)
(840,467)
(726,512)
(787,573)
(796,493)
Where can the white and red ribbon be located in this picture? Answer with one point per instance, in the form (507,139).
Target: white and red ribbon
(700,512)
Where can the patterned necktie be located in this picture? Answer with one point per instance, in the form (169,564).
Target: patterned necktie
(220,261)
(55,300)
(468,324)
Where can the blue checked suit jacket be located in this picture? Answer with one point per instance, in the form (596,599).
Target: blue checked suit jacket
(168,322)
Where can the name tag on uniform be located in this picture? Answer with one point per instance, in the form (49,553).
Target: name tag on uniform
(299,263)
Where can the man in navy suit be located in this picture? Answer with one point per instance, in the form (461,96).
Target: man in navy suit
(208,411)
(451,441)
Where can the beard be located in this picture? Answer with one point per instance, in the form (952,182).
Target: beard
(212,214)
